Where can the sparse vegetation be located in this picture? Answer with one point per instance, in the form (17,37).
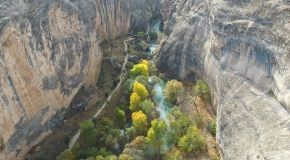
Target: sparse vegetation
(212,127)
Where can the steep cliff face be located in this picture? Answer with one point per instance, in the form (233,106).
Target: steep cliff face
(49,59)
(240,48)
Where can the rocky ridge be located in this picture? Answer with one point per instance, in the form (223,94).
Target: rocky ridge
(241,49)
(50,58)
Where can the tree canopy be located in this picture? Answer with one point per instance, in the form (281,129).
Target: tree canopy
(172,89)
(139,120)
(192,142)
(134,102)
(156,135)
(202,90)
(140,90)
(138,70)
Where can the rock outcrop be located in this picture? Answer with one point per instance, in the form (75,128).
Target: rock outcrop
(50,58)
(241,49)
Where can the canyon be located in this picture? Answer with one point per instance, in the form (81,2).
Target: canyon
(241,49)
(50,58)
(49,53)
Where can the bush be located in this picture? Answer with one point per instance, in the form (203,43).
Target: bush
(139,47)
(212,127)
(202,90)
(153,35)
(67,140)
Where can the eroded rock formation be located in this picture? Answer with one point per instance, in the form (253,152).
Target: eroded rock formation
(50,57)
(241,49)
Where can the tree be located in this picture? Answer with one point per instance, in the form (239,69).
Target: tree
(156,135)
(125,157)
(173,154)
(152,70)
(65,155)
(131,133)
(140,90)
(134,102)
(145,62)
(139,120)
(192,142)
(178,124)
(139,143)
(128,86)
(144,81)
(147,106)
(201,89)
(106,133)
(93,152)
(172,90)
(141,33)
(154,80)
(120,117)
(153,35)
(89,132)
(138,70)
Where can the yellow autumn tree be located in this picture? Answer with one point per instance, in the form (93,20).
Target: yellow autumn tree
(144,62)
(134,102)
(139,70)
(140,90)
(139,120)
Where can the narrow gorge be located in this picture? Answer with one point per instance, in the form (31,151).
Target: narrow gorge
(50,61)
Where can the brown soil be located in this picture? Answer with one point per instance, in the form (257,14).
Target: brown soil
(55,143)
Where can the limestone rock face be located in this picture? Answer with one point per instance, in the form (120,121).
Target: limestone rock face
(50,58)
(241,49)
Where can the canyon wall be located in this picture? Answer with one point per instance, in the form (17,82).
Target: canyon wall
(241,49)
(49,52)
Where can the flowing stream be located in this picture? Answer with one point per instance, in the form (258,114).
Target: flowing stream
(162,106)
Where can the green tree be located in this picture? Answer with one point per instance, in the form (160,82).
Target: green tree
(139,120)
(140,90)
(134,102)
(65,155)
(192,142)
(152,70)
(120,117)
(173,88)
(153,35)
(155,80)
(93,152)
(89,132)
(147,106)
(202,90)
(128,86)
(106,133)
(156,135)
(131,133)
(141,33)
(178,124)
(138,70)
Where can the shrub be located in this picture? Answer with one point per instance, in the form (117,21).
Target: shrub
(139,47)
(212,127)
(153,35)
(202,90)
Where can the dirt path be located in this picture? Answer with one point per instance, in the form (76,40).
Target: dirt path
(122,76)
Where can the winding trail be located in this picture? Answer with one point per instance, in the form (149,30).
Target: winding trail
(122,76)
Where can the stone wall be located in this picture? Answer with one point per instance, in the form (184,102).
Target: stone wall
(240,48)
(50,57)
